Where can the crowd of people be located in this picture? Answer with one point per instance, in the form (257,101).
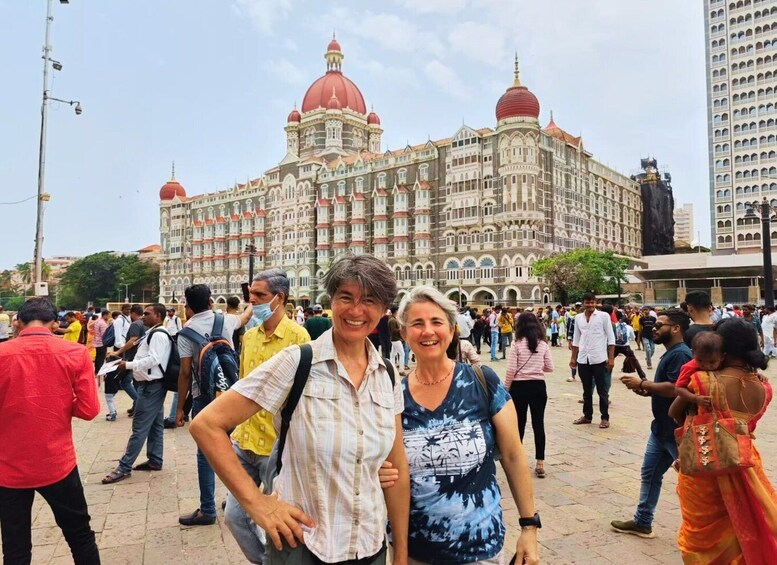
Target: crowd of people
(349,434)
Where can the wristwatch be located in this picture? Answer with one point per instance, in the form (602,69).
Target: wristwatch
(534,521)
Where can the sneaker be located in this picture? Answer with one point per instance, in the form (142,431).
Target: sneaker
(111,417)
(571,379)
(196,518)
(169,424)
(631,527)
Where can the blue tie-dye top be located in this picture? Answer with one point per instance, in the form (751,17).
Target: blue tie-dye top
(455,511)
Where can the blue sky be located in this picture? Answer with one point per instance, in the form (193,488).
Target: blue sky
(209,85)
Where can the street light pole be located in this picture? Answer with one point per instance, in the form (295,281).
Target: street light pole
(766,240)
(42,197)
(765,209)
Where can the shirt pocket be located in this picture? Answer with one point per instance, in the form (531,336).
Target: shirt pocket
(322,398)
(383,405)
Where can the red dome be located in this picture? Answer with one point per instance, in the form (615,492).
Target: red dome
(294,116)
(171,189)
(517,102)
(373,119)
(333,45)
(347,93)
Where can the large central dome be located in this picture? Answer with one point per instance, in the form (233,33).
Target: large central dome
(334,84)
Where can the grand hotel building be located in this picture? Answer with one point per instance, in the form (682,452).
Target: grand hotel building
(468,214)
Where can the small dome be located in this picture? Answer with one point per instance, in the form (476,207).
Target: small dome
(333,45)
(294,116)
(171,189)
(373,119)
(517,102)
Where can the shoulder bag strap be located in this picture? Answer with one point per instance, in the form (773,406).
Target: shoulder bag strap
(218,324)
(300,379)
(481,377)
(390,369)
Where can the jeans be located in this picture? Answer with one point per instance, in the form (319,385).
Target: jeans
(407,354)
(494,343)
(247,534)
(67,502)
(128,386)
(660,453)
(650,347)
(146,425)
(205,475)
(173,407)
(505,341)
(590,376)
(531,395)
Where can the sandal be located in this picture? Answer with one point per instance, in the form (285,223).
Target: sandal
(115,477)
(147,466)
(582,420)
(540,472)
(604,424)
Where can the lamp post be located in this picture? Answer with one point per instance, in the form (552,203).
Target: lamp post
(42,196)
(251,250)
(765,209)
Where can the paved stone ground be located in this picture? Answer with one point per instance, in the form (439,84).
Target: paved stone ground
(592,478)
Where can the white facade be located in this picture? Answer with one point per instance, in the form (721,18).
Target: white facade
(741,45)
(683,223)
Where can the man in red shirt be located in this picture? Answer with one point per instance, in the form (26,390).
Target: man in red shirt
(44,383)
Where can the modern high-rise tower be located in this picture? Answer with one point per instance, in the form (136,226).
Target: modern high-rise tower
(741,45)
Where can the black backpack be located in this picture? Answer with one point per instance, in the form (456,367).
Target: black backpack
(169,373)
(215,367)
(109,337)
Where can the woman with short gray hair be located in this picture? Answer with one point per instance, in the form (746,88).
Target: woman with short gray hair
(453,422)
(347,423)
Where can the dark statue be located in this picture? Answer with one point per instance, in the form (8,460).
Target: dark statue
(657,210)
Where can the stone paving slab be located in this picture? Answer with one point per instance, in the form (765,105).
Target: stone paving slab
(593,477)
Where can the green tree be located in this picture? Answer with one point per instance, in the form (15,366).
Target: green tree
(98,277)
(569,275)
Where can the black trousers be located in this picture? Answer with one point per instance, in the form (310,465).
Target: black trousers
(67,502)
(590,376)
(99,357)
(531,395)
(477,340)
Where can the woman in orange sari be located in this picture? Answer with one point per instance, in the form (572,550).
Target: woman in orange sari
(730,518)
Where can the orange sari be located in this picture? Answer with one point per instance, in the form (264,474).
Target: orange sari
(728,518)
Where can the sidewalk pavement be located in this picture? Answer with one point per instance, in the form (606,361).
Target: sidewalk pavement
(593,477)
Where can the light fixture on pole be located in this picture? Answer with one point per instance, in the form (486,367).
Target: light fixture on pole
(765,209)
(41,288)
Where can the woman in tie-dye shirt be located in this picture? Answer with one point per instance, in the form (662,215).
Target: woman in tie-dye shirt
(452,425)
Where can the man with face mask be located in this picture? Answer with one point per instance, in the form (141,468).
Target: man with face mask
(253,439)
(198,298)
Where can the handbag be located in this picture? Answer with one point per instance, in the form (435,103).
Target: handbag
(710,444)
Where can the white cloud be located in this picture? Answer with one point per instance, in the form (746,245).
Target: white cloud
(263,13)
(389,31)
(480,42)
(287,71)
(434,6)
(448,80)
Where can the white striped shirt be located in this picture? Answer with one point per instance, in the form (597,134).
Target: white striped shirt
(337,441)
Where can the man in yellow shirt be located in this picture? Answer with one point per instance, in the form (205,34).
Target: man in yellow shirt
(73,330)
(636,327)
(253,439)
